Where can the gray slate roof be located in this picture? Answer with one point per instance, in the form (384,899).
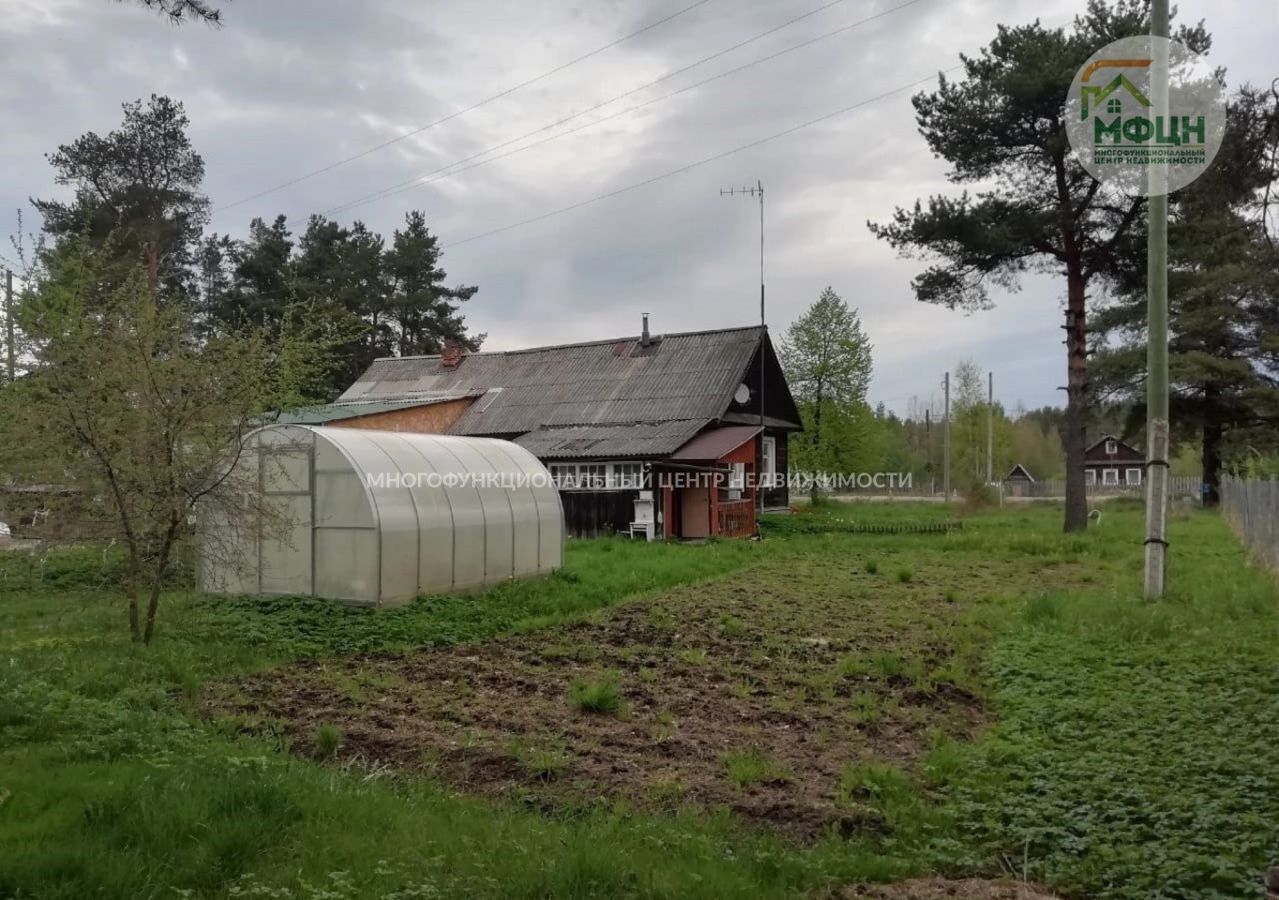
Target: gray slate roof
(682,378)
(336,412)
(595,441)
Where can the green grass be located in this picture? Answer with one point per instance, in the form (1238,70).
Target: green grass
(752,766)
(600,696)
(1133,749)
(328,741)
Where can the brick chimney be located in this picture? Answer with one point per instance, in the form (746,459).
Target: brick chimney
(451,356)
(645,338)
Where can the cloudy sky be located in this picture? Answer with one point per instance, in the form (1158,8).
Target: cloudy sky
(288,87)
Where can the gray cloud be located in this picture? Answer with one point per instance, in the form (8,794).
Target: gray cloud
(289,86)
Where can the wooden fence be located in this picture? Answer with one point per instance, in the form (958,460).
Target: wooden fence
(1179,486)
(1251,506)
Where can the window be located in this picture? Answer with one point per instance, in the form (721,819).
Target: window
(627,476)
(1133,477)
(736,481)
(1110,477)
(592,476)
(1111,448)
(598,476)
(564,476)
(768,470)
(1090,477)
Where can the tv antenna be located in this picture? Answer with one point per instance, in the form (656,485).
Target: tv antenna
(756,191)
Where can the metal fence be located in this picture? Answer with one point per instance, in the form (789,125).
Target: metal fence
(1251,506)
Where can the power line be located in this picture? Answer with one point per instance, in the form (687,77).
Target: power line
(474,106)
(701,162)
(444,171)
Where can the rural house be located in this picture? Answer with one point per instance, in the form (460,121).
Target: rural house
(1019,482)
(1110,463)
(670,436)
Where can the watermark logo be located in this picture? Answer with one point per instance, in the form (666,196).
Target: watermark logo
(1132,132)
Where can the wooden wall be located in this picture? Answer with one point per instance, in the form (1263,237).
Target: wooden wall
(432,418)
(598,513)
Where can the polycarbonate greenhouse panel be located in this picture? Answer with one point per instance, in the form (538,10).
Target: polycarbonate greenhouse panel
(378,518)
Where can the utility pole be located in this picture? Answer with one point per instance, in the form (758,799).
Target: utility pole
(1157,425)
(757,191)
(990,430)
(11,361)
(945,478)
(928,443)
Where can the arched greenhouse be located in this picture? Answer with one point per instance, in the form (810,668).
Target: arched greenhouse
(376,518)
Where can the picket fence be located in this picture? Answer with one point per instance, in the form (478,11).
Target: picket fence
(1251,506)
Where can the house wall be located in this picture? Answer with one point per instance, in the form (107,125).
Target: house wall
(1122,468)
(433,418)
(590,514)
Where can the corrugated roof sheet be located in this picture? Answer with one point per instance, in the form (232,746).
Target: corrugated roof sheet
(597,441)
(336,412)
(716,442)
(680,378)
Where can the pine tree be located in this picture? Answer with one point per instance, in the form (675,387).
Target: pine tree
(1223,293)
(424,309)
(140,188)
(1003,126)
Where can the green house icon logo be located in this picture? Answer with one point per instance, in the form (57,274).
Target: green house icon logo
(1096,95)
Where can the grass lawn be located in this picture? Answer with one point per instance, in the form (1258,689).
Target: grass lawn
(825,708)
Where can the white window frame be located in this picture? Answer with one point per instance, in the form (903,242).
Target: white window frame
(564,475)
(621,475)
(626,476)
(736,480)
(1110,477)
(1112,447)
(1090,477)
(768,465)
(1128,477)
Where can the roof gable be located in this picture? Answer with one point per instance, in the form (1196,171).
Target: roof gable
(1095,453)
(677,377)
(1019,471)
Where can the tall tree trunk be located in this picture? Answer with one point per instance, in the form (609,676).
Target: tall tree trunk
(157,579)
(1076,437)
(1211,451)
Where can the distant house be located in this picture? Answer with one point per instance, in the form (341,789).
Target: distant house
(1018,482)
(666,435)
(1109,463)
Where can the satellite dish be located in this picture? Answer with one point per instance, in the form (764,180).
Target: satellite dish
(743,394)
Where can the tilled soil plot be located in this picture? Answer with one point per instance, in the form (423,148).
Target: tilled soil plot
(765,693)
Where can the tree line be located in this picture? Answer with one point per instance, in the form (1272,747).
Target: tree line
(151,348)
(138,189)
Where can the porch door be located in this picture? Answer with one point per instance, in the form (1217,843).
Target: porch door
(695,512)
